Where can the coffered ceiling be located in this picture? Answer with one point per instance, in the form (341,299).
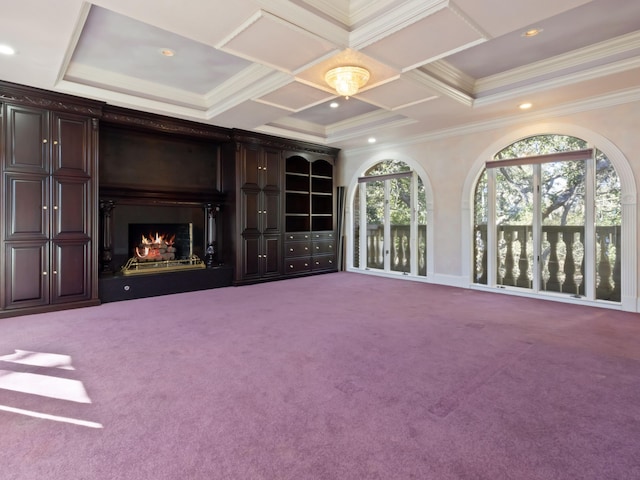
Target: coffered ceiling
(435,65)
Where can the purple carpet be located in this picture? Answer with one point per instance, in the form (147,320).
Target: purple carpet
(337,376)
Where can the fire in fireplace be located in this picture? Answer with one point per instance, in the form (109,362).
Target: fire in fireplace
(157,247)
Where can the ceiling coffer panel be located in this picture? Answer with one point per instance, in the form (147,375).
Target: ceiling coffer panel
(295,96)
(398,93)
(265,37)
(426,40)
(513,14)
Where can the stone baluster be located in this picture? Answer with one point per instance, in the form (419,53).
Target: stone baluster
(604,288)
(569,285)
(509,262)
(523,262)
(553,284)
(616,294)
(500,259)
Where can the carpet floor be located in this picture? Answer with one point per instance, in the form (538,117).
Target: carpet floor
(336,376)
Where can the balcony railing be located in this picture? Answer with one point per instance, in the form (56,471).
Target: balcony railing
(561,261)
(400,248)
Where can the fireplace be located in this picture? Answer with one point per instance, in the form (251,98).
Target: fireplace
(160,247)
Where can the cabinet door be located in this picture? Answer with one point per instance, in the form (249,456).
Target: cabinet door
(27,276)
(271,216)
(70,207)
(251,257)
(27,139)
(251,208)
(272,256)
(271,169)
(27,214)
(70,271)
(251,168)
(70,147)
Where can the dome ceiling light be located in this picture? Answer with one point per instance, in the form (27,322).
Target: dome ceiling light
(347,80)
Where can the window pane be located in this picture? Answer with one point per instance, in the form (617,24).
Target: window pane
(400,218)
(563,218)
(514,222)
(356,228)
(422,229)
(375,224)
(608,237)
(480,209)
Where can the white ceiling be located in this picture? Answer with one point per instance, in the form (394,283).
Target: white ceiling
(259,64)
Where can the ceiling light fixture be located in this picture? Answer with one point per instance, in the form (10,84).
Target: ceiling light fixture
(167,52)
(532,32)
(525,106)
(347,80)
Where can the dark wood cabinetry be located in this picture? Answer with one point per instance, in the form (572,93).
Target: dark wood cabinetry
(283,213)
(261,219)
(309,211)
(259,207)
(48,163)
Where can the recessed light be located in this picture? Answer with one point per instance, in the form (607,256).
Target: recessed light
(525,106)
(7,50)
(372,140)
(167,52)
(334,104)
(532,32)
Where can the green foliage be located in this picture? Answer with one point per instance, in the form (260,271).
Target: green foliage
(562,186)
(399,195)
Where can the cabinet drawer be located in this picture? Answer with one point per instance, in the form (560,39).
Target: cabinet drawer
(297,237)
(322,235)
(325,262)
(323,247)
(297,249)
(297,265)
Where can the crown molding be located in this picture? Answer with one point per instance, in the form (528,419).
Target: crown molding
(439,86)
(599,51)
(394,21)
(253,82)
(626,96)
(447,73)
(115,82)
(570,79)
(305,20)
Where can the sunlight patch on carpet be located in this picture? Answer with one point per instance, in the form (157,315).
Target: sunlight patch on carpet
(46,416)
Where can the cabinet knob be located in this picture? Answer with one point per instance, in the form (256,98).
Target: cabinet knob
(306,249)
(55,272)
(290,266)
(44,273)
(306,264)
(55,142)
(44,207)
(291,249)
(55,207)
(44,140)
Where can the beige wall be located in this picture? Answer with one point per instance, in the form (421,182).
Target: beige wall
(451,161)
